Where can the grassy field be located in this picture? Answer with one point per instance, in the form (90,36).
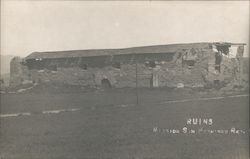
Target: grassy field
(107,124)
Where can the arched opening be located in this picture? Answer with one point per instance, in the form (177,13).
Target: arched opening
(106,83)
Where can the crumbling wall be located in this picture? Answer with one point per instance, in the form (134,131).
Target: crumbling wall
(230,71)
(124,77)
(178,71)
(163,74)
(19,73)
(193,67)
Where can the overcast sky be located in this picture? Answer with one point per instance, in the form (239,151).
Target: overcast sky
(71,25)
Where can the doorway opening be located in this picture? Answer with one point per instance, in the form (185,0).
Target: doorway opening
(218,60)
(105,83)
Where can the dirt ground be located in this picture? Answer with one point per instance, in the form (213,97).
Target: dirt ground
(108,124)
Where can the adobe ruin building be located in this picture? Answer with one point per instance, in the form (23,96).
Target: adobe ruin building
(192,65)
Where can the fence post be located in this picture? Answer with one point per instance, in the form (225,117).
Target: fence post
(136,85)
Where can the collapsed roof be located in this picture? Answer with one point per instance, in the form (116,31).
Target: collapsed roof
(133,50)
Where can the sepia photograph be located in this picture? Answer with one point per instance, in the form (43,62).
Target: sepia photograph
(124,79)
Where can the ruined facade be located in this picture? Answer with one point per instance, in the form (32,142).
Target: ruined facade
(191,65)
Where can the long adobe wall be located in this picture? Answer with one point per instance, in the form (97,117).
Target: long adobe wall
(192,68)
